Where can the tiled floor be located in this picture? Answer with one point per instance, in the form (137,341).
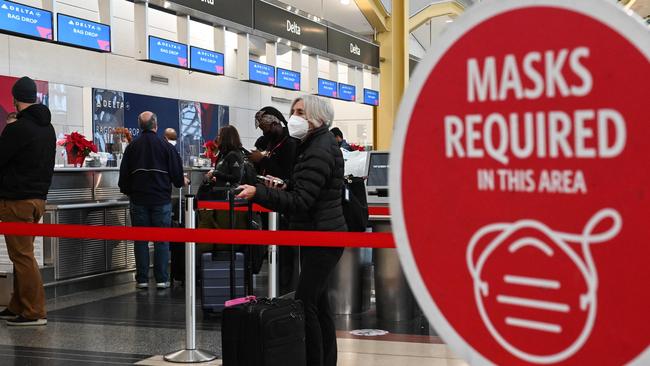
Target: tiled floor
(123,326)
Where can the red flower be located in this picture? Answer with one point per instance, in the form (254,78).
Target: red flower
(76,145)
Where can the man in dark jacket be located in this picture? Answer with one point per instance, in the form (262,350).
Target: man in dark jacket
(149,168)
(27,151)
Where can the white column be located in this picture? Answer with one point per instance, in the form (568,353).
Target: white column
(243,53)
(106,17)
(296,65)
(334,71)
(313,74)
(220,39)
(50,5)
(355,77)
(141,30)
(183,28)
(272,53)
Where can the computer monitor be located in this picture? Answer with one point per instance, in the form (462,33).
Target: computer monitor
(377,171)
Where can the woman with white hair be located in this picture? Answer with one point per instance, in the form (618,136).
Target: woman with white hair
(312,200)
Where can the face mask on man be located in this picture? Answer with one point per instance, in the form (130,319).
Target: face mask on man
(172,142)
(298,127)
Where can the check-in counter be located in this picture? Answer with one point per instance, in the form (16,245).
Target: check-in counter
(394,299)
(90,196)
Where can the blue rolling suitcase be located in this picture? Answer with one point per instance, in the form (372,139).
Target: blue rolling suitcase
(226,275)
(215,279)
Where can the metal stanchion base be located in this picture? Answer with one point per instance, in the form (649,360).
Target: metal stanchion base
(190,356)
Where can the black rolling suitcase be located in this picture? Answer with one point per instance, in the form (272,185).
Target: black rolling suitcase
(264,332)
(226,275)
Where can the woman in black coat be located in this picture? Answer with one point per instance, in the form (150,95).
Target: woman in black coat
(312,199)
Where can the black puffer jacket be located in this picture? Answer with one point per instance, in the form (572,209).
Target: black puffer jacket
(313,199)
(27,151)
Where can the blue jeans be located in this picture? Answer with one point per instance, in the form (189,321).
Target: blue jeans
(153,216)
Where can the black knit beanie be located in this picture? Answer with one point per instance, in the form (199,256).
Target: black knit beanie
(24,90)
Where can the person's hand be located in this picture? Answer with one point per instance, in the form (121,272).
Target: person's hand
(256,156)
(248,192)
(186,181)
(272,182)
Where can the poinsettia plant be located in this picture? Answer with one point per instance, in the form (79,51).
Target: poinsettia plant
(211,149)
(355,147)
(76,145)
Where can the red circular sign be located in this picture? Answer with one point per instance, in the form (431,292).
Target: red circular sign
(523,184)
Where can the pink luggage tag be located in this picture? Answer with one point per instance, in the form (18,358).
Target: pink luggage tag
(239,301)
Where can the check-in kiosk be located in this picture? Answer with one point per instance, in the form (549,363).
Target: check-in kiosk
(394,299)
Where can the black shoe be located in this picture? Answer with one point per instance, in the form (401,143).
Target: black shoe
(6,314)
(24,322)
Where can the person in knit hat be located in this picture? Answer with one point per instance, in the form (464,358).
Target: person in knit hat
(27,151)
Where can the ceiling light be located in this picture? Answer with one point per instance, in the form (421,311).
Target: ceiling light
(449,21)
(166,5)
(345,2)
(289,8)
(289,43)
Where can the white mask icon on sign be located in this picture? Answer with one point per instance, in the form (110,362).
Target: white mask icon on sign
(530,284)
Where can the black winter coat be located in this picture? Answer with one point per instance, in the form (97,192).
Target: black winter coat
(313,199)
(282,155)
(27,151)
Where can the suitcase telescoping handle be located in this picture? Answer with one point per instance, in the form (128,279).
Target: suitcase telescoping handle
(232,205)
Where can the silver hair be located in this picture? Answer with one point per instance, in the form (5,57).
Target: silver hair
(319,111)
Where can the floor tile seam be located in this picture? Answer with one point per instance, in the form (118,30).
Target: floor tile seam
(393,355)
(97,318)
(425,348)
(69,357)
(138,324)
(76,360)
(4,349)
(179,326)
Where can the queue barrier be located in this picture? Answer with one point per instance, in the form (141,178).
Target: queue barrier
(190,236)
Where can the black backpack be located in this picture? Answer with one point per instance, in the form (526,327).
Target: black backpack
(355,204)
(248,172)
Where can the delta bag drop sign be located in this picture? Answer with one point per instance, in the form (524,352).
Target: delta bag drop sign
(526,235)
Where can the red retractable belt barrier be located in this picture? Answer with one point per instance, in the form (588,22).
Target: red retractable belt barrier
(224,206)
(379,211)
(251,237)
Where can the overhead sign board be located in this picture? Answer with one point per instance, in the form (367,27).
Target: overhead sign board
(206,61)
(327,88)
(25,20)
(261,73)
(287,79)
(352,48)
(288,25)
(83,33)
(370,97)
(242,13)
(347,92)
(167,52)
(534,147)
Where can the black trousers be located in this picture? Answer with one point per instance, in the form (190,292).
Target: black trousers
(317,265)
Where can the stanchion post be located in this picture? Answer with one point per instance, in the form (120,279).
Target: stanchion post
(274,225)
(190,354)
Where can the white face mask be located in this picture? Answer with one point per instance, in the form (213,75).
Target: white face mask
(172,142)
(298,127)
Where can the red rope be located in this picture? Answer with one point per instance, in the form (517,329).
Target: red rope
(252,237)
